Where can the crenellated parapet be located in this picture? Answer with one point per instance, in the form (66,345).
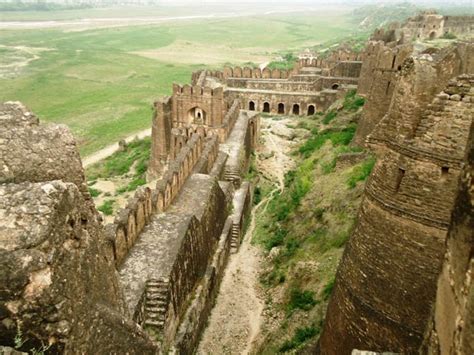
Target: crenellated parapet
(255,73)
(198,105)
(131,220)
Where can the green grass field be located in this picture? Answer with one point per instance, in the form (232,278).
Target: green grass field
(102,82)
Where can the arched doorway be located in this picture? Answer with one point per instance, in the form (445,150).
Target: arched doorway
(281,108)
(252,106)
(311,110)
(335,86)
(197,115)
(296,109)
(432,35)
(266,107)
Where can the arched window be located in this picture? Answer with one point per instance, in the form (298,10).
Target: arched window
(311,110)
(252,106)
(296,109)
(266,107)
(281,108)
(196,115)
(335,86)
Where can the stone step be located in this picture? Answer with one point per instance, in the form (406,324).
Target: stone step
(155,323)
(157,284)
(157,302)
(155,316)
(154,289)
(160,310)
(156,297)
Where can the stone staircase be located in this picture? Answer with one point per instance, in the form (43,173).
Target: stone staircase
(232,175)
(156,303)
(235,240)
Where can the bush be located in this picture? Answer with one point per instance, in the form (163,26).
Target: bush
(318,213)
(361,172)
(120,162)
(107,207)
(343,137)
(291,246)
(329,116)
(275,277)
(133,185)
(94,192)
(287,63)
(327,290)
(352,102)
(276,239)
(448,35)
(257,195)
(301,336)
(301,300)
(328,167)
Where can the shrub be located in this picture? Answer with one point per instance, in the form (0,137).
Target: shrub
(94,192)
(318,213)
(328,167)
(329,116)
(291,246)
(120,162)
(301,300)
(133,185)
(327,290)
(342,137)
(275,277)
(136,183)
(301,335)
(107,207)
(276,239)
(361,172)
(257,195)
(352,102)
(448,35)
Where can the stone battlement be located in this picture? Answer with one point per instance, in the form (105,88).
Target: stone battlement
(197,90)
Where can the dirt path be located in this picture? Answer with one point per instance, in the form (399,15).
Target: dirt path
(236,319)
(111,149)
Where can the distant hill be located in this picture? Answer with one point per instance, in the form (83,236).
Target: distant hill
(50,5)
(373,16)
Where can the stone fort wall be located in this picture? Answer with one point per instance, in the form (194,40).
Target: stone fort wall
(408,200)
(58,281)
(385,63)
(450,329)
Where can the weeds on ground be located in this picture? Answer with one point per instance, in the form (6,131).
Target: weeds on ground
(342,137)
(107,207)
(94,192)
(299,338)
(361,172)
(120,162)
(352,102)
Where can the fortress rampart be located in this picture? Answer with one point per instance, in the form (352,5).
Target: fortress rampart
(451,326)
(387,63)
(406,211)
(170,243)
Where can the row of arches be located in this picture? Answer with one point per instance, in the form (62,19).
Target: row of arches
(281,108)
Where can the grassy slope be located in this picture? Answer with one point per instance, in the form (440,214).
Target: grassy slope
(92,82)
(304,230)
